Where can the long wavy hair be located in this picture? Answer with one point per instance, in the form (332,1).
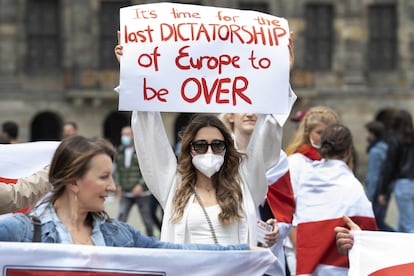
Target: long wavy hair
(71,162)
(314,116)
(402,125)
(227,180)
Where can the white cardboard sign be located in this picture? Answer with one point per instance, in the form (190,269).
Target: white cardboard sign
(190,58)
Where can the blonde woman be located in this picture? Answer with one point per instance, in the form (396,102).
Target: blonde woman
(302,151)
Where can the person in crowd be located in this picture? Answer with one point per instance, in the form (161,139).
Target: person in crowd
(73,213)
(301,151)
(212,192)
(297,118)
(10,132)
(70,128)
(328,190)
(377,151)
(24,193)
(211,195)
(131,185)
(279,202)
(398,170)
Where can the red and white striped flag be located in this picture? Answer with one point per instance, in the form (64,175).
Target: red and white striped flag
(30,259)
(377,253)
(280,193)
(24,159)
(328,190)
(282,203)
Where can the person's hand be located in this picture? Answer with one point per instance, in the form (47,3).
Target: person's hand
(382,200)
(271,237)
(118,48)
(344,239)
(291,51)
(137,190)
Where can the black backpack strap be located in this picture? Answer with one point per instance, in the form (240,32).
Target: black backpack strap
(37,230)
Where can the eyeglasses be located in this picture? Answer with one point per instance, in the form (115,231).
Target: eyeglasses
(201,146)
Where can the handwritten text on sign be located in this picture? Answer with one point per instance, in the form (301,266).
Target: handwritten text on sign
(188,58)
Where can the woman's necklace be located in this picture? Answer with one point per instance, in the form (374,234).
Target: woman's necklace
(210,224)
(208,189)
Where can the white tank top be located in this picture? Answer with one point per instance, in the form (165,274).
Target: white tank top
(198,230)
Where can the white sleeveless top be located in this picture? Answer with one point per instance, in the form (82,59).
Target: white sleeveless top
(198,229)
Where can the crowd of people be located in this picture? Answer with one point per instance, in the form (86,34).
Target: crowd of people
(230,171)
(212,193)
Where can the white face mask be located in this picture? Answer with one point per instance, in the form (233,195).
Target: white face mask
(313,144)
(208,164)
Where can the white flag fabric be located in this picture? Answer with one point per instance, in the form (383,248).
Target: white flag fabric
(378,253)
(281,201)
(20,160)
(29,259)
(328,190)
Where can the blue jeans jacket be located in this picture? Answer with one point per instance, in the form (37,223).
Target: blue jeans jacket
(19,228)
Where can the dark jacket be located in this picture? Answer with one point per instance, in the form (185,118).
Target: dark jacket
(128,178)
(399,163)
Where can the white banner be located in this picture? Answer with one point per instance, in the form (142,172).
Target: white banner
(23,159)
(191,58)
(18,259)
(378,253)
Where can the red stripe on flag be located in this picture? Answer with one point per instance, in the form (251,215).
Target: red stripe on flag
(316,243)
(398,270)
(8,180)
(281,200)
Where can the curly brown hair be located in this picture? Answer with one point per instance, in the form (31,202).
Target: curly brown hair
(226,181)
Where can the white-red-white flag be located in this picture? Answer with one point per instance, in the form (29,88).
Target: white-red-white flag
(378,253)
(24,159)
(30,259)
(282,203)
(328,190)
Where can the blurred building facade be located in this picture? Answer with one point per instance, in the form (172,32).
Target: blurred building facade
(57,62)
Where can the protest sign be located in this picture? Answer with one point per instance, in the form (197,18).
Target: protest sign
(190,58)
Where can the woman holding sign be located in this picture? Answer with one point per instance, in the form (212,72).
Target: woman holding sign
(212,193)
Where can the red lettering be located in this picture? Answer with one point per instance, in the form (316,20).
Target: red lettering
(138,36)
(184,63)
(208,93)
(154,93)
(220,88)
(240,90)
(183,91)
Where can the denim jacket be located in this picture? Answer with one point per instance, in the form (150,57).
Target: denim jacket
(376,159)
(19,228)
